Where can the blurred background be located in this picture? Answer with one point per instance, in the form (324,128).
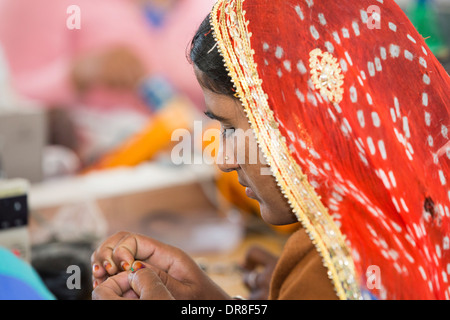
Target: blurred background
(90,93)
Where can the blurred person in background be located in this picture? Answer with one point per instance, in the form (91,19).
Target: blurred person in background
(117,44)
(98,66)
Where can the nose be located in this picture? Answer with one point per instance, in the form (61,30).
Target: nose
(226,160)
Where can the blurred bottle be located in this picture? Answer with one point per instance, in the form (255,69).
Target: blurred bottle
(171,111)
(10,99)
(23,130)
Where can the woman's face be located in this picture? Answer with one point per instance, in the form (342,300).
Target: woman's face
(239,152)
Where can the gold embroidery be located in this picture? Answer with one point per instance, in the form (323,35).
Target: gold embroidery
(231,34)
(326,75)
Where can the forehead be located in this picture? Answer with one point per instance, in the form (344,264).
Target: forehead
(222,105)
(219,104)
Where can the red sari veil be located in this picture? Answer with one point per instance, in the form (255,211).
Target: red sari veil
(351,110)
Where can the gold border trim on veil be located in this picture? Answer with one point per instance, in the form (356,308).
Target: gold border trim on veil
(233,39)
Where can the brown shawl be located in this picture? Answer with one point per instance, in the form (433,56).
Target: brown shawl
(300,274)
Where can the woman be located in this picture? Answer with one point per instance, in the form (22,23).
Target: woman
(351,112)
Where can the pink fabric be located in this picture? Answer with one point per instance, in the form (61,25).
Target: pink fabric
(40,47)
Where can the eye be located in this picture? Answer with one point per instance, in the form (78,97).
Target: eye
(226,132)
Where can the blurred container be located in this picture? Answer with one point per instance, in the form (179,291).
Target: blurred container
(22,140)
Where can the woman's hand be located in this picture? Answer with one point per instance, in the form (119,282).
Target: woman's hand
(144,284)
(258,268)
(179,273)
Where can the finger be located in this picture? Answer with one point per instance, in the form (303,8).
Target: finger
(251,280)
(148,285)
(97,281)
(131,295)
(138,247)
(98,272)
(166,279)
(257,256)
(125,251)
(113,288)
(101,260)
(178,289)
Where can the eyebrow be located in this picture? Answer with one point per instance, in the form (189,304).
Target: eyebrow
(213,116)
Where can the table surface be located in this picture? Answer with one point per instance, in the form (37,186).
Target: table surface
(223,267)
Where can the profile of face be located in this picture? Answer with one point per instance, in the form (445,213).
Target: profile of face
(238,154)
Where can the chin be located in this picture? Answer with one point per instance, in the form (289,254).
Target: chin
(277,217)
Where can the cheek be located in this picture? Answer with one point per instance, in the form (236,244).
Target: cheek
(274,206)
(246,148)
(263,185)
(275,209)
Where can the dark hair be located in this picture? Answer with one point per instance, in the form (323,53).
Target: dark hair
(205,55)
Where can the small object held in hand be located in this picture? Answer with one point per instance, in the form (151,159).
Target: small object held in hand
(137,266)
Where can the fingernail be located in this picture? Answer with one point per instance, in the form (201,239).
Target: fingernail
(137,266)
(95,284)
(125,266)
(95,268)
(107,265)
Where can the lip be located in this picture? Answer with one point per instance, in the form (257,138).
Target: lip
(250,193)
